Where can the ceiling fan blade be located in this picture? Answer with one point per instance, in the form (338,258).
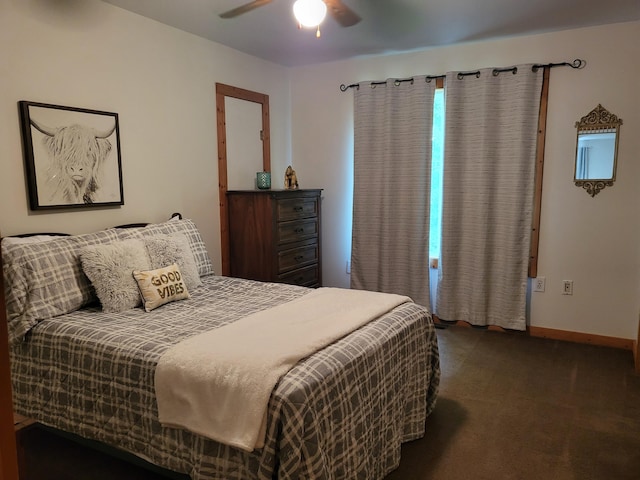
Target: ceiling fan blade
(247,7)
(341,13)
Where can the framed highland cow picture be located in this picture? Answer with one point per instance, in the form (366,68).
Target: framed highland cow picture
(72,156)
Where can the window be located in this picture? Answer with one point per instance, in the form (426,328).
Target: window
(437,161)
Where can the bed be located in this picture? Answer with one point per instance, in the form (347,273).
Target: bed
(339,413)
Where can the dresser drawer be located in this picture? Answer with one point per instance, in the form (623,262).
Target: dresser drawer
(297,257)
(294,208)
(297,230)
(305,277)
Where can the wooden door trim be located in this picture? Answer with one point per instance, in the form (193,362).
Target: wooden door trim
(223,91)
(537,202)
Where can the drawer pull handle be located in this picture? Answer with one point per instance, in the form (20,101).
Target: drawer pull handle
(298,258)
(299,230)
(297,209)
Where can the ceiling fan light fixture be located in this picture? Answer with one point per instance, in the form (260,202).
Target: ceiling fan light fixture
(309,13)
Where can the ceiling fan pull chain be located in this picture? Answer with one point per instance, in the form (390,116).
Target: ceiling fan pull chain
(318,32)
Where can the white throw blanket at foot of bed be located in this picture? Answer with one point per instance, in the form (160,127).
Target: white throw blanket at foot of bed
(218,383)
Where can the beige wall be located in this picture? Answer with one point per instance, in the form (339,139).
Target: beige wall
(593,241)
(160,81)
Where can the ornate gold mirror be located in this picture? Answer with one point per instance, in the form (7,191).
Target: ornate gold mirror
(596,150)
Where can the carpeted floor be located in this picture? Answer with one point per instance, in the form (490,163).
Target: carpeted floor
(516,407)
(510,407)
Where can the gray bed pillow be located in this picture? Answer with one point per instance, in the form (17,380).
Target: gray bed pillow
(165,250)
(45,279)
(110,268)
(185,227)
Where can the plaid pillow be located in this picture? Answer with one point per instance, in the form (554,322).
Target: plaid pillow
(45,279)
(186,227)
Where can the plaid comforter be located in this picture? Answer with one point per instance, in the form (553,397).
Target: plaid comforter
(342,413)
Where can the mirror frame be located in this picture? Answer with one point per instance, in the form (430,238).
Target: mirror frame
(223,91)
(597,120)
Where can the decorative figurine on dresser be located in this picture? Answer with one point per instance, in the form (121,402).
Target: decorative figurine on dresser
(274,235)
(290,179)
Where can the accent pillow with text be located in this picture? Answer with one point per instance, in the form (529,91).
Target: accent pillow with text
(160,286)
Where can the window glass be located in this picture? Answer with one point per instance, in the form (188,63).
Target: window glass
(437,157)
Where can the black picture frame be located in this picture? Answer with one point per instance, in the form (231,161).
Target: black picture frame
(72,156)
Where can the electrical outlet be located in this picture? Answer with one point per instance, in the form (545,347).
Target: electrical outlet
(538,284)
(567,287)
(348,267)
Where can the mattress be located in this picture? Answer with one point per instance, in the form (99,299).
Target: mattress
(341,413)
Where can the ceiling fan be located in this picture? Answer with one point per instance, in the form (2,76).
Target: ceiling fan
(338,10)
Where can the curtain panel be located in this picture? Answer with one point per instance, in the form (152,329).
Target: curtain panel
(488,193)
(392,181)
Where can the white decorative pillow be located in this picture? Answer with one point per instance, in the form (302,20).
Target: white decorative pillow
(109,268)
(161,286)
(174,248)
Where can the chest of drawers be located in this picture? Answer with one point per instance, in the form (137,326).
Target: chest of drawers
(274,235)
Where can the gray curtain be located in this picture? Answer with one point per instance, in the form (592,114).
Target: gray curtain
(488,191)
(392,177)
(582,167)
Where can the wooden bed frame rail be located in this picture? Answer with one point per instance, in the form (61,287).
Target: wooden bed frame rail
(8,451)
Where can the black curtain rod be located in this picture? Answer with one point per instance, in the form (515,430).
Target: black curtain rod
(577,63)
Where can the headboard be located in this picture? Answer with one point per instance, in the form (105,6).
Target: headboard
(36,234)
(177,215)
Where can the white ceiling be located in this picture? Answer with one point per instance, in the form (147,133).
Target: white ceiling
(270,32)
